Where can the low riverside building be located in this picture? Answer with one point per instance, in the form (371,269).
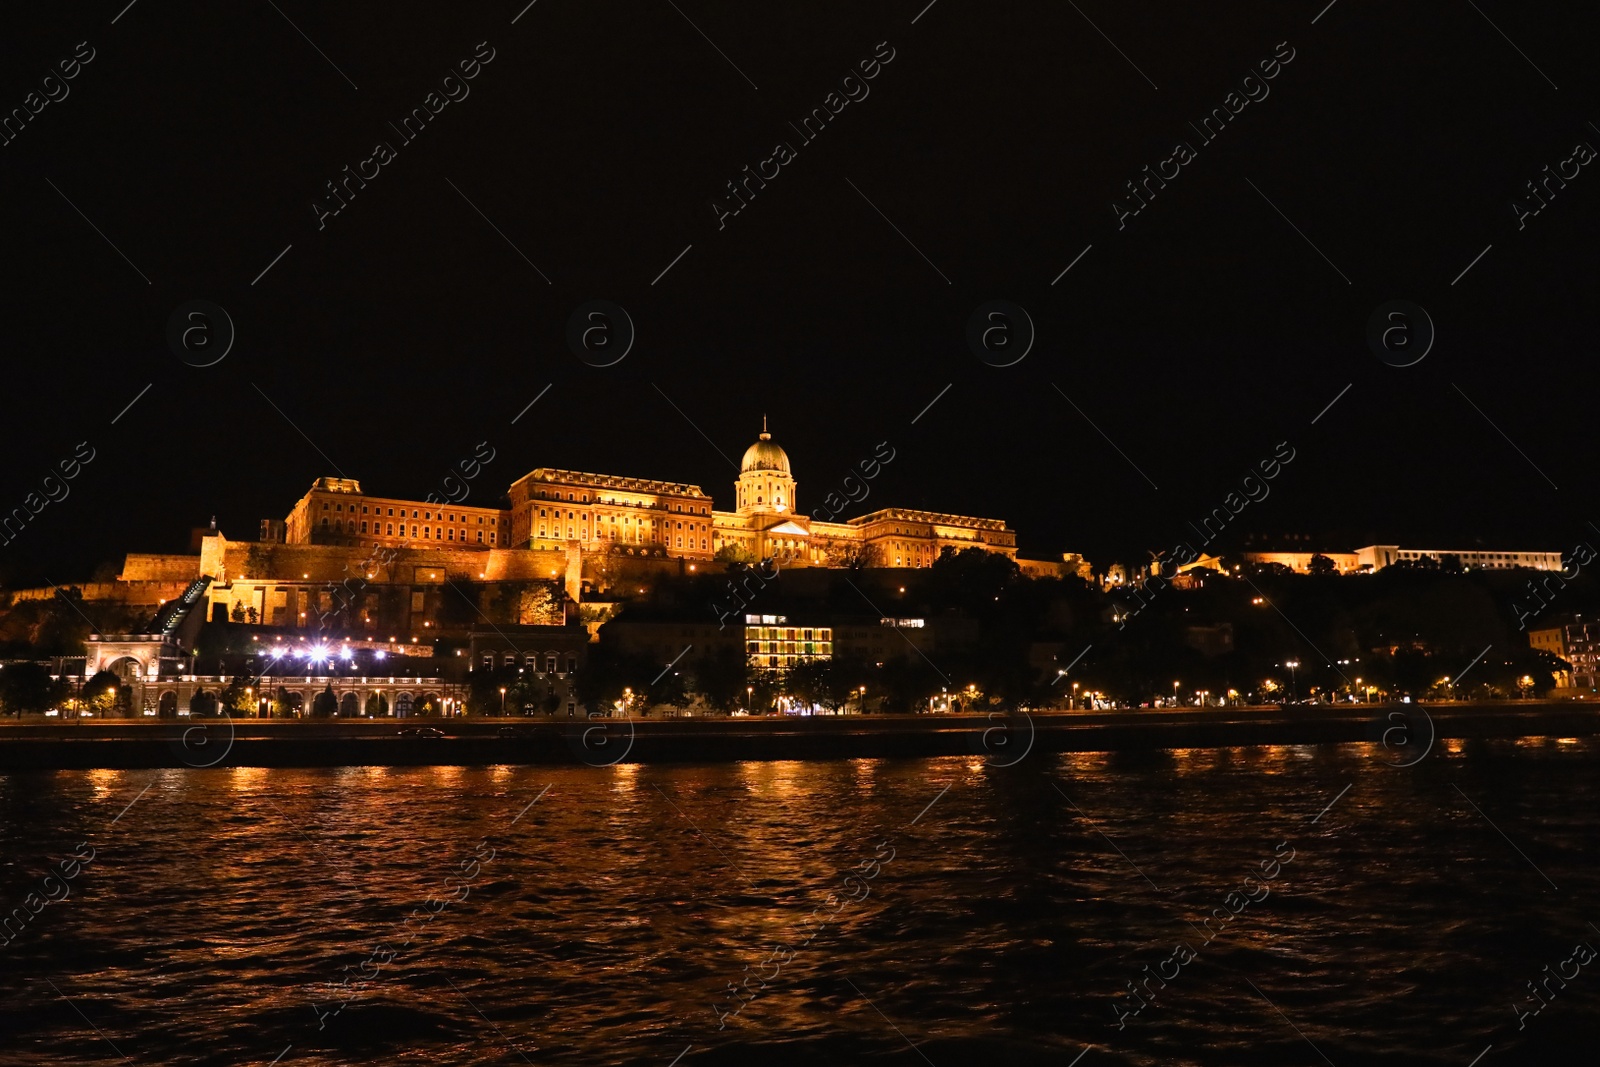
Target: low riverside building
(1576,640)
(778,642)
(281,683)
(551,655)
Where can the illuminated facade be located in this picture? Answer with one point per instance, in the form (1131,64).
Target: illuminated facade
(771,642)
(336,512)
(1376,557)
(551,509)
(562,510)
(1577,642)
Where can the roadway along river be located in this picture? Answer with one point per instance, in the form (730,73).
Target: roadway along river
(978,913)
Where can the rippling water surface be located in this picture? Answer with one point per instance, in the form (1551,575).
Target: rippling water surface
(935,911)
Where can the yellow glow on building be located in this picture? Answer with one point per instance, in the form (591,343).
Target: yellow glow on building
(771,643)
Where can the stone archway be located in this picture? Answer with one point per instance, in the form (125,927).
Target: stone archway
(168,706)
(349,706)
(127,668)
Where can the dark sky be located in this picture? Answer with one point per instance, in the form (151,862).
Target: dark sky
(995,142)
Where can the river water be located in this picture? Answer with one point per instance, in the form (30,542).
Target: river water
(942,911)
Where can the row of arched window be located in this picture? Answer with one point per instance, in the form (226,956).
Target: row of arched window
(549,662)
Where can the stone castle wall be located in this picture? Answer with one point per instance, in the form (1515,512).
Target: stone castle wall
(259,561)
(156,567)
(135,593)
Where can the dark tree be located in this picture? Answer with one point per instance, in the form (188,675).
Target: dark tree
(326,704)
(27,687)
(719,679)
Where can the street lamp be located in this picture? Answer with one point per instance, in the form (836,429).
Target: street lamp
(1294,688)
(502,701)
(749,697)
(1175,691)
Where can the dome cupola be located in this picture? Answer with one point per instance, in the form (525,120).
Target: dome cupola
(764,455)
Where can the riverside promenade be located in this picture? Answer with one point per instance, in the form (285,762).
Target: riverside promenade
(1406,730)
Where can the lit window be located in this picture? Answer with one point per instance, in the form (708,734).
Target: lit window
(389,529)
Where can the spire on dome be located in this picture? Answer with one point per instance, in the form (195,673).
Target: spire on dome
(765,454)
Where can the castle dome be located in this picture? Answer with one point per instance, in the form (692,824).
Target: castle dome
(764,455)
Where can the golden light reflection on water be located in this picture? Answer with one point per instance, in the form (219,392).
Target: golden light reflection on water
(1084,762)
(247,779)
(769,777)
(105,782)
(446,775)
(624,778)
(1454,746)
(605,917)
(865,772)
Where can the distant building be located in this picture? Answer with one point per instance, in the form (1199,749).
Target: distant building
(1377,557)
(1300,562)
(1578,642)
(1070,565)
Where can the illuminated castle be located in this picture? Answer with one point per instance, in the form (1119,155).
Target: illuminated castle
(556,510)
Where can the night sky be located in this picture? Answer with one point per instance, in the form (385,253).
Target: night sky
(985,157)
